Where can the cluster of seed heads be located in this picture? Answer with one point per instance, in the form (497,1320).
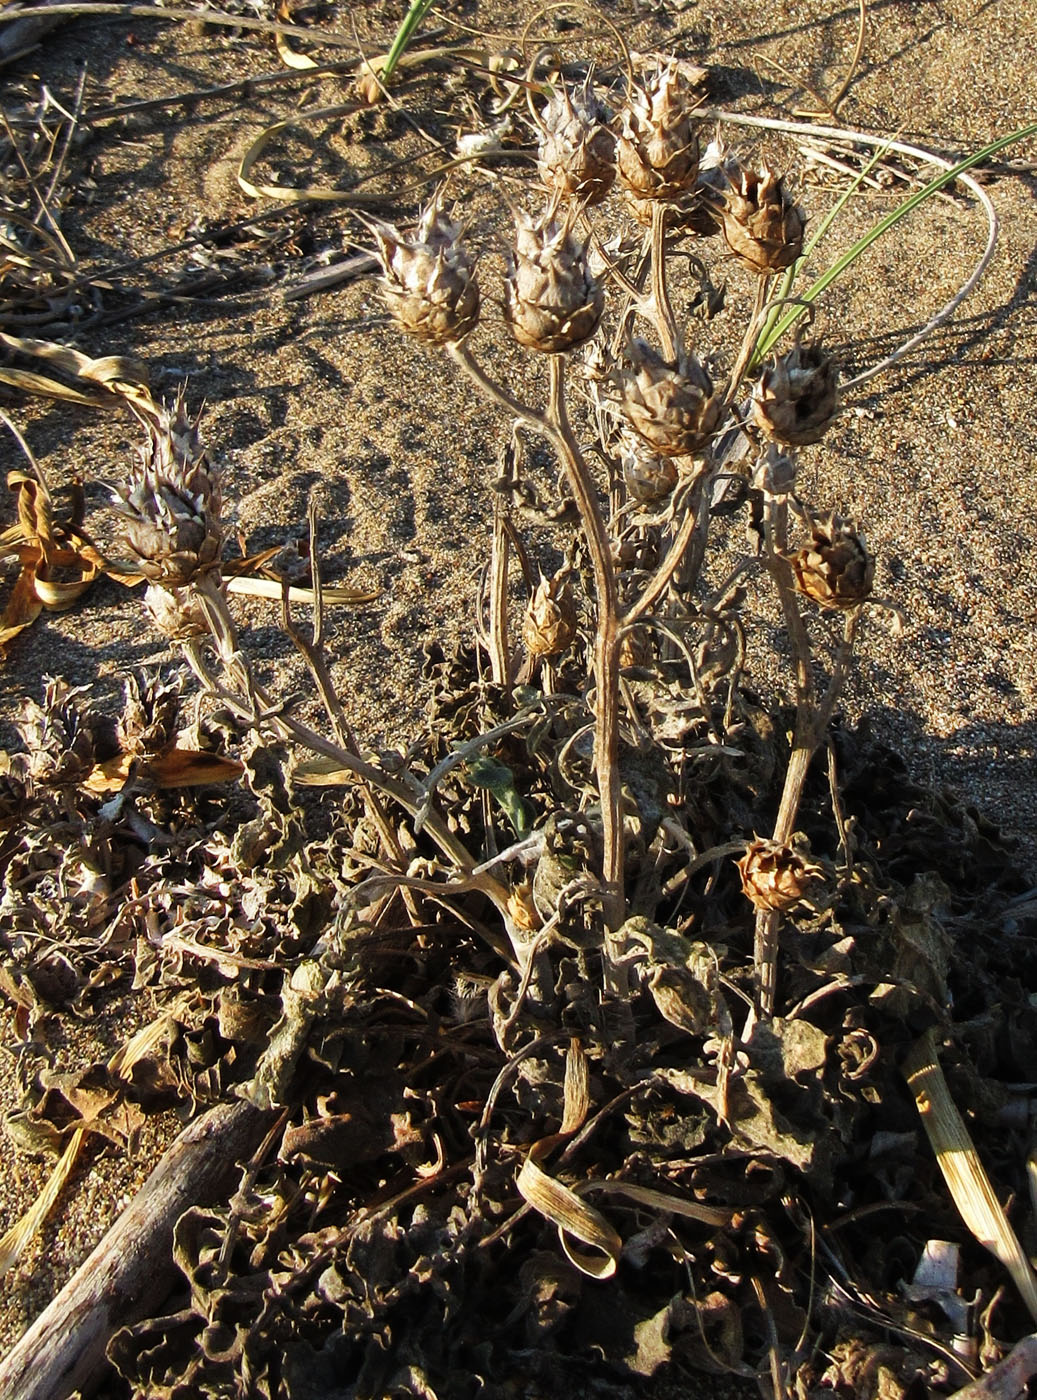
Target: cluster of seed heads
(660,413)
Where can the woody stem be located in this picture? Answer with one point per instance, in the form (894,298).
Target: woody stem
(555,426)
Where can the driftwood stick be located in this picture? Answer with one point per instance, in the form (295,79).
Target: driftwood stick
(1009,1379)
(131,1271)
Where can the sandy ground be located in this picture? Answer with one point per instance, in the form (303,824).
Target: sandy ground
(936,458)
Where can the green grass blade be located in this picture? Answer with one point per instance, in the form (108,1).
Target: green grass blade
(417,12)
(883,226)
(791,273)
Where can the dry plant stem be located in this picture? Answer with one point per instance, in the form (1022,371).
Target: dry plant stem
(247,708)
(662,311)
(555,427)
(812,719)
(606,654)
(748,345)
(500,661)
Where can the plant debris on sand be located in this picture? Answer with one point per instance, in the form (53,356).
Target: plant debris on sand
(624,1021)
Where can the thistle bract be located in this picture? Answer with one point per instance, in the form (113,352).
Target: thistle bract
(658,151)
(762,226)
(577,154)
(796,398)
(670,406)
(835,569)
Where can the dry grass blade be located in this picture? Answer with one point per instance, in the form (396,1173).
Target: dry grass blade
(589,1241)
(662,1201)
(271,588)
(13,1244)
(117,377)
(964,1173)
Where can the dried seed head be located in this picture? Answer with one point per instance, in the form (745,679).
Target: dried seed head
(429,280)
(150,712)
(176,612)
(797,397)
(762,226)
(549,624)
(647,476)
(835,569)
(577,156)
(658,152)
(171,501)
(60,737)
(775,875)
(553,302)
(671,406)
(522,910)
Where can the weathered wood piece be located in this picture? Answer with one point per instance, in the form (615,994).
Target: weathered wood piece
(131,1271)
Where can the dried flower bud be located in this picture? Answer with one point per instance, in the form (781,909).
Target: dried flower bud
(577,156)
(429,280)
(776,876)
(59,736)
(658,152)
(671,406)
(647,476)
(835,569)
(550,621)
(762,226)
(172,501)
(176,612)
(635,649)
(521,909)
(151,710)
(797,397)
(553,302)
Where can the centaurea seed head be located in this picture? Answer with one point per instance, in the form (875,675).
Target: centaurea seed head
(553,302)
(429,281)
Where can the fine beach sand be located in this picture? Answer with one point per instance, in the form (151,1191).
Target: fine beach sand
(937,458)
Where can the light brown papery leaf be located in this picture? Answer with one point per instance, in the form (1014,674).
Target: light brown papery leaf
(13,1244)
(962,1169)
(176,768)
(102,383)
(588,1240)
(272,588)
(23,608)
(285,52)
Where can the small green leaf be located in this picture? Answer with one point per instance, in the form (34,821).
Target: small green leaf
(499,781)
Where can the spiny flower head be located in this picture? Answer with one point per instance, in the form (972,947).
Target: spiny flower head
(577,154)
(553,301)
(171,500)
(658,145)
(429,282)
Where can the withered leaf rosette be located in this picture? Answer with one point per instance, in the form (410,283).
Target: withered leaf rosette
(761,224)
(671,406)
(429,281)
(60,737)
(776,875)
(552,300)
(576,158)
(835,569)
(796,399)
(658,150)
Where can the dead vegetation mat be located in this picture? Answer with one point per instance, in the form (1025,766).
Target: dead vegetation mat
(468,1189)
